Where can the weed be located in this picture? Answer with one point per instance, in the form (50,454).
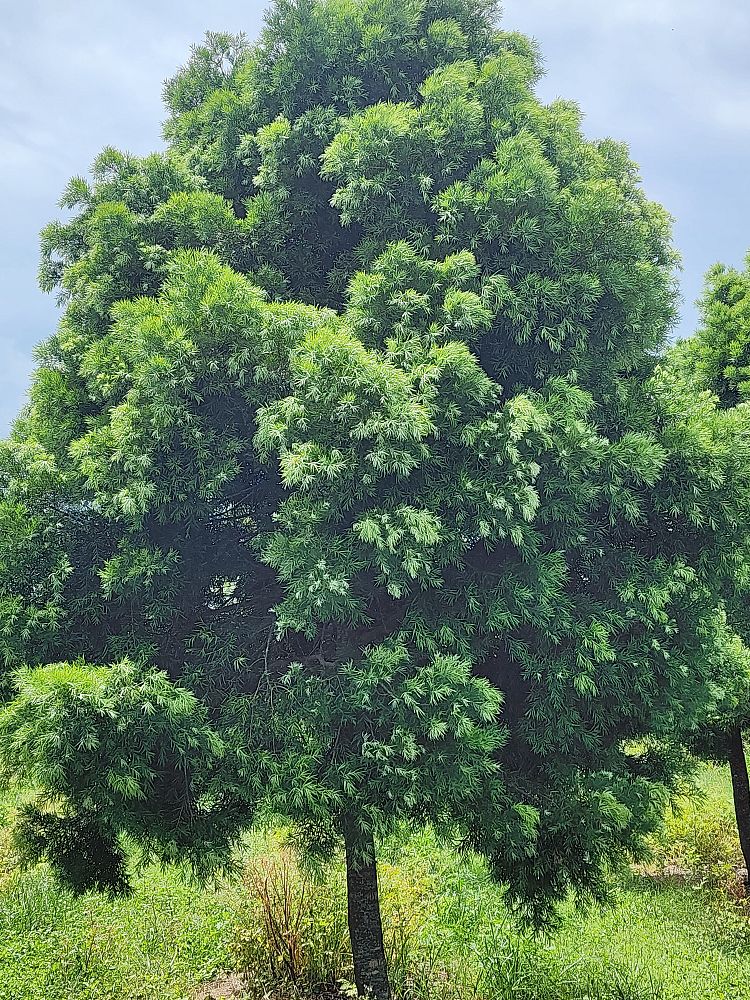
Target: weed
(294,928)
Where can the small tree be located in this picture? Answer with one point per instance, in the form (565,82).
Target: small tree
(721,736)
(432,542)
(717,359)
(719,353)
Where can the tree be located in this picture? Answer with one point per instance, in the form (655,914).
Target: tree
(717,359)
(720,737)
(718,356)
(434,541)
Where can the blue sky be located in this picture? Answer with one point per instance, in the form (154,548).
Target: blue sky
(669,77)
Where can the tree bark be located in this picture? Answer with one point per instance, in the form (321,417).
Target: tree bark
(741,793)
(365,927)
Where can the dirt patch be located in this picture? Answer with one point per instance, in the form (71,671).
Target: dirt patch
(233,986)
(227,986)
(675,874)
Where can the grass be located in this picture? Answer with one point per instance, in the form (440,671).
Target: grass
(672,933)
(162,942)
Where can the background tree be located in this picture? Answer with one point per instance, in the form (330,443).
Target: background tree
(433,542)
(720,737)
(719,353)
(717,360)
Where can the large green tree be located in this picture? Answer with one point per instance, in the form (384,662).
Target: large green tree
(348,488)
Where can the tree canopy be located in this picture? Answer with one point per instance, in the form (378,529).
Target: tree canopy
(350,488)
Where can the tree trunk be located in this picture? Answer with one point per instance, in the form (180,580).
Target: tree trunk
(741,792)
(365,927)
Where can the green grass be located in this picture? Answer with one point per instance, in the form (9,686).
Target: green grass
(161,942)
(657,940)
(450,936)
(699,841)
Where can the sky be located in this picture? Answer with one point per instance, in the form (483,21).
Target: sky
(669,77)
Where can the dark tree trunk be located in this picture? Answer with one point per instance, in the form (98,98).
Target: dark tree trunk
(365,927)
(741,792)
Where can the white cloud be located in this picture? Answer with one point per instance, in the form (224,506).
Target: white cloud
(651,59)
(733,113)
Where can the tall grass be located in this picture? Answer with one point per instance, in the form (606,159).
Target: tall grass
(672,933)
(449,935)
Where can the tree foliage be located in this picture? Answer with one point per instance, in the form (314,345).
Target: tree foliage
(716,360)
(352,467)
(718,355)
